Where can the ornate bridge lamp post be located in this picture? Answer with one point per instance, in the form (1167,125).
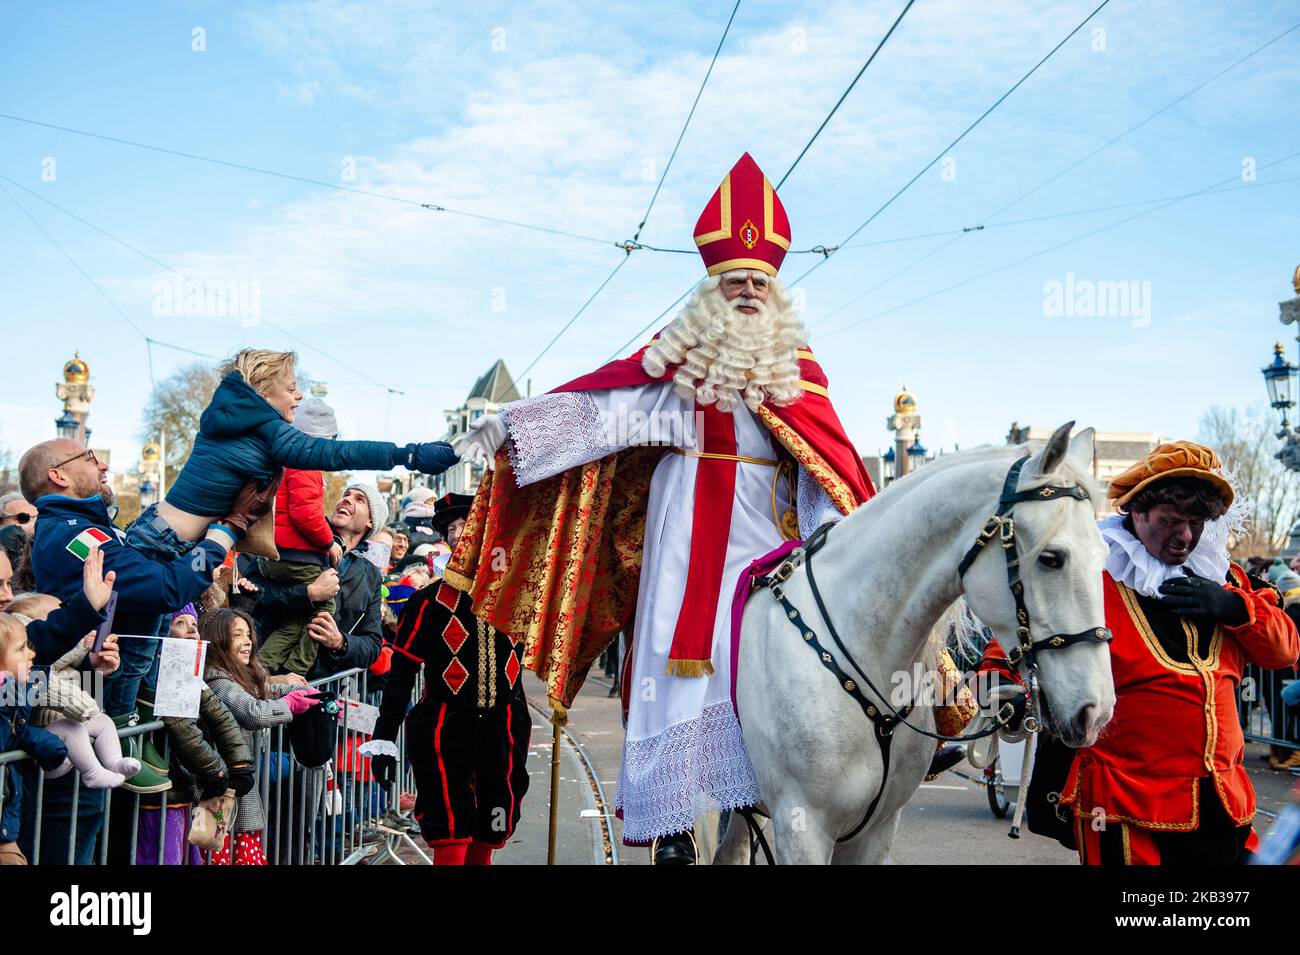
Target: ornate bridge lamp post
(1280,377)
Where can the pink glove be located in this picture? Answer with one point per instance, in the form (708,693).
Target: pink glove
(300,701)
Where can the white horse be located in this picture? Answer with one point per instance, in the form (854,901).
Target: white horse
(888,573)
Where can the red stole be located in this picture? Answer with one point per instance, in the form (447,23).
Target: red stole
(715,492)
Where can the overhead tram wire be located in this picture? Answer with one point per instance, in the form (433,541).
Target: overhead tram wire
(246,167)
(986,224)
(828,251)
(1052,248)
(943,152)
(1047,217)
(698,93)
(157,261)
(149,341)
(1136,126)
(959,233)
(75,264)
(576,315)
(630,246)
(618,352)
(819,249)
(849,89)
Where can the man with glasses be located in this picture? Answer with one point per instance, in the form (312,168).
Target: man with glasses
(14,509)
(69,487)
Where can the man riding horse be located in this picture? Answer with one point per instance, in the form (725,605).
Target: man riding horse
(631,499)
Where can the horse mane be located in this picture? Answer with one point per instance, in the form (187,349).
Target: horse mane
(957,627)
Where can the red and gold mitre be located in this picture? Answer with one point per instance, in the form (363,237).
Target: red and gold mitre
(744,225)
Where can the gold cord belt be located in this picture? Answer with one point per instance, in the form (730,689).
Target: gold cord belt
(723,457)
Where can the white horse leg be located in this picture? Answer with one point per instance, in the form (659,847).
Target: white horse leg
(872,847)
(801,839)
(734,848)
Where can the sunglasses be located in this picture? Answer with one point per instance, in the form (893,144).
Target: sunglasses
(22,517)
(76,457)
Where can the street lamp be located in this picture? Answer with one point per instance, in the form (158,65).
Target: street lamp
(1281,388)
(1280,379)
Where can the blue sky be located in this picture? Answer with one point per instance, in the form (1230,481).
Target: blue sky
(563,115)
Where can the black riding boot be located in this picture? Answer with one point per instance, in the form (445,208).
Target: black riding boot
(945,758)
(677,849)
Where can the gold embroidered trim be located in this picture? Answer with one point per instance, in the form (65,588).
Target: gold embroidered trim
(729,264)
(769,229)
(1128,854)
(492,665)
(1148,635)
(814,388)
(805,353)
(724,208)
(482,664)
(834,486)
(457,580)
(1072,798)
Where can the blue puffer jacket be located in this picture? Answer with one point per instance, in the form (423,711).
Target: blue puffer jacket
(17,733)
(145,588)
(242,437)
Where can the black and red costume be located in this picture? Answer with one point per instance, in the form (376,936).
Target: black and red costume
(467,737)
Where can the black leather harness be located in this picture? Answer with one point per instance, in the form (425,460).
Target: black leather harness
(1001,526)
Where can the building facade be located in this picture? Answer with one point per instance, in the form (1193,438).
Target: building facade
(492,390)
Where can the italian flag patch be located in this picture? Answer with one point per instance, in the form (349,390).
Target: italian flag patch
(79,546)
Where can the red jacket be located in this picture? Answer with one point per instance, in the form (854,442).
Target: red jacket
(1176,722)
(300,512)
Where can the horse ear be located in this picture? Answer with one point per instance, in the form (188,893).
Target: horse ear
(1054,452)
(1081,449)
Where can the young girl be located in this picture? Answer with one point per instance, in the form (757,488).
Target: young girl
(17,732)
(208,755)
(239,680)
(245,434)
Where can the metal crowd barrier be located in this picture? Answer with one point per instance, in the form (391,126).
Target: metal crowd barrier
(330,815)
(1264,718)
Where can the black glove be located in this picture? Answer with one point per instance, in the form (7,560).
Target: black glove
(432,457)
(242,779)
(1198,597)
(384,769)
(214,786)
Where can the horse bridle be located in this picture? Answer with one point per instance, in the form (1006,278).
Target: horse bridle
(1001,526)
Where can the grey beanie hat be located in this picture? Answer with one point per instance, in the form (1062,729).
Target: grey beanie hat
(378,509)
(316,418)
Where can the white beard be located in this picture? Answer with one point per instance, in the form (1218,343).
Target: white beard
(725,357)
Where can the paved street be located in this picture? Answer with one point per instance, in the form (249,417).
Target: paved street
(948,822)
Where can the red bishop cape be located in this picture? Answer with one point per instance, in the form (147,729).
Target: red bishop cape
(557,562)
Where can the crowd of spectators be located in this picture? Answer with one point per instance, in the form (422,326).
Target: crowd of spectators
(197,565)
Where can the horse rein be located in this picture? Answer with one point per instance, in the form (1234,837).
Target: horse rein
(1001,526)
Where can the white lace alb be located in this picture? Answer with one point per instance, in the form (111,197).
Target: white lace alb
(813,505)
(690,767)
(554,432)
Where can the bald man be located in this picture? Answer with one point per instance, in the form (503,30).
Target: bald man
(69,487)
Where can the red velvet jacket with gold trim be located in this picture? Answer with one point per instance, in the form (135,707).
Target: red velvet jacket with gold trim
(1176,717)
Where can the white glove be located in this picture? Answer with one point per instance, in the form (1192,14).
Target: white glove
(486,435)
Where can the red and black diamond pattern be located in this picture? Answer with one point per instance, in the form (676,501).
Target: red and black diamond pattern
(438,628)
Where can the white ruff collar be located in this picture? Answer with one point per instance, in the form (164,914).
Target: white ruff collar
(1131,564)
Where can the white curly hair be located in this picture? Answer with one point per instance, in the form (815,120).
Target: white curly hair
(725,357)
